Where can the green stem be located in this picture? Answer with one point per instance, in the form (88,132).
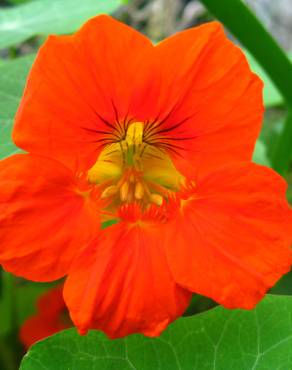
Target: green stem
(245,26)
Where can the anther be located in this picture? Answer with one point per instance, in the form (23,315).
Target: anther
(139,191)
(124,191)
(109,191)
(156,199)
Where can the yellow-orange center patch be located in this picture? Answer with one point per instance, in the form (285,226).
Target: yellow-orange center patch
(132,170)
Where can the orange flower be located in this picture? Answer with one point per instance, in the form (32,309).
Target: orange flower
(49,319)
(160,138)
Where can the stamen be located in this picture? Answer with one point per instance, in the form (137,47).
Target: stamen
(139,191)
(124,191)
(156,199)
(109,191)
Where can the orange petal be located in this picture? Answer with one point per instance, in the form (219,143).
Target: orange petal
(207,102)
(51,303)
(45,219)
(47,321)
(231,240)
(37,328)
(122,283)
(79,86)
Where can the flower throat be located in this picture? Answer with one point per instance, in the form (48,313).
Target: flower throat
(132,170)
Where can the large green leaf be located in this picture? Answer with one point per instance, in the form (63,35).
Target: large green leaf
(12,80)
(48,16)
(219,339)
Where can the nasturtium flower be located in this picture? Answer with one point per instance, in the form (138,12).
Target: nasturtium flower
(50,318)
(159,138)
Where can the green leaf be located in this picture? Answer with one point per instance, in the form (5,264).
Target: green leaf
(218,339)
(12,80)
(260,154)
(282,154)
(272,96)
(14,2)
(48,16)
(109,223)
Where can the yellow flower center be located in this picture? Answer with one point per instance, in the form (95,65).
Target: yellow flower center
(132,170)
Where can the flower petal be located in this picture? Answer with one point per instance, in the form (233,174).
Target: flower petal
(122,284)
(37,328)
(231,240)
(48,319)
(206,101)
(79,86)
(51,303)
(45,218)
